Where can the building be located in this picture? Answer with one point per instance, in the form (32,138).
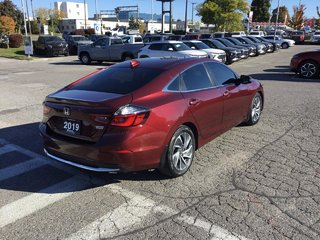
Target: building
(72,10)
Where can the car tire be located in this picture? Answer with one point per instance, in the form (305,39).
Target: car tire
(255,110)
(127,57)
(85,58)
(308,69)
(285,45)
(180,153)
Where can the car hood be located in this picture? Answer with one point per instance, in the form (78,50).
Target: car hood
(214,51)
(193,52)
(84,42)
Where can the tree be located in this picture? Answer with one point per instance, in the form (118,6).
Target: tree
(297,19)
(260,10)
(43,14)
(7,24)
(55,17)
(134,23)
(7,8)
(283,14)
(226,15)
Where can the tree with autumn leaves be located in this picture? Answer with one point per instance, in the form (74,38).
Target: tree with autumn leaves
(7,25)
(298,18)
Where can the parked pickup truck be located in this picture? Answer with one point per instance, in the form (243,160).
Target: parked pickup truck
(50,46)
(108,49)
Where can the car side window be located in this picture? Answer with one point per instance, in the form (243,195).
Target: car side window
(166,47)
(174,85)
(100,43)
(220,73)
(195,78)
(156,46)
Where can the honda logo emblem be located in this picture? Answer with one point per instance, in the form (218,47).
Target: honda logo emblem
(66,111)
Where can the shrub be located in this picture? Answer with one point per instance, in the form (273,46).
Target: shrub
(89,31)
(15,40)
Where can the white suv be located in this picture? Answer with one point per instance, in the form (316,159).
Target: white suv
(238,34)
(256,33)
(169,49)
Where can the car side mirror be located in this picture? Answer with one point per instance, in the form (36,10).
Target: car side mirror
(244,79)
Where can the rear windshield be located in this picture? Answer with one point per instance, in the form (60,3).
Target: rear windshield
(118,80)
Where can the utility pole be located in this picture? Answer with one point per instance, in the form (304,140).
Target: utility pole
(152,10)
(270,13)
(28,17)
(85,14)
(275,29)
(186,17)
(24,18)
(32,10)
(96,10)
(192,12)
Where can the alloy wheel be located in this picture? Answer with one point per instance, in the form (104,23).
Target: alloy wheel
(308,70)
(256,108)
(182,153)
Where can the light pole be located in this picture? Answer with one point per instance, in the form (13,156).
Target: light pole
(186,17)
(192,13)
(24,18)
(275,29)
(28,17)
(85,14)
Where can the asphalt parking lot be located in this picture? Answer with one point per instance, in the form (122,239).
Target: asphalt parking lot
(260,182)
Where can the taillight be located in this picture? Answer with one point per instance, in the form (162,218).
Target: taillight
(46,109)
(130,115)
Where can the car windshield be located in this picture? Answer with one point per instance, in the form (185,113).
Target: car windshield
(247,40)
(201,45)
(180,46)
(218,44)
(80,38)
(236,41)
(255,40)
(118,80)
(227,43)
(254,33)
(53,38)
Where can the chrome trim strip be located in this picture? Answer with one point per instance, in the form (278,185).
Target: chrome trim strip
(80,165)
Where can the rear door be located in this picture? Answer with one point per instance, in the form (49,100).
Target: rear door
(236,98)
(115,49)
(205,101)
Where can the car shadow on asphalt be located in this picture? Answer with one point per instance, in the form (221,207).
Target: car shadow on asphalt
(281,73)
(77,62)
(27,169)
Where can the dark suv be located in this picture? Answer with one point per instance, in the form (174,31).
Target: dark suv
(51,46)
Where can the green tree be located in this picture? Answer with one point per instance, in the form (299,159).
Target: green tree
(226,15)
(134,23)
(283,14)
(7,8)
(260,10)
(297,19)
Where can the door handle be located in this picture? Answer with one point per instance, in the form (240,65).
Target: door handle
(194,101)
(226,93)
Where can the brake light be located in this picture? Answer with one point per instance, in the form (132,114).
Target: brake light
(130,115)
(134,63)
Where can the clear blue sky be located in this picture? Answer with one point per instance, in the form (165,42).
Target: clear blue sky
(178,6)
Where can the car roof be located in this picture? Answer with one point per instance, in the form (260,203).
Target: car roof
(164,63)
(167,41)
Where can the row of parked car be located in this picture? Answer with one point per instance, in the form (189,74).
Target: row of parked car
(224,49)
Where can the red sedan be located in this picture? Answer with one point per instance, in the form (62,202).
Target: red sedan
(306,64)
(151,113)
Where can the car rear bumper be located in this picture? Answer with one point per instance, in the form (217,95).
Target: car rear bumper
(111,153)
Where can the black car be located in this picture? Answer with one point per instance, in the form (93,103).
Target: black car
(51,46)
(261,48)
(252,47)
(74,41)
(270,46)
(233,54)
(244,50)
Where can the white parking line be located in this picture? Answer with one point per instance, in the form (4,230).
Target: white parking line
(129,215)
(37,201)
(6,149)
(20,168)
